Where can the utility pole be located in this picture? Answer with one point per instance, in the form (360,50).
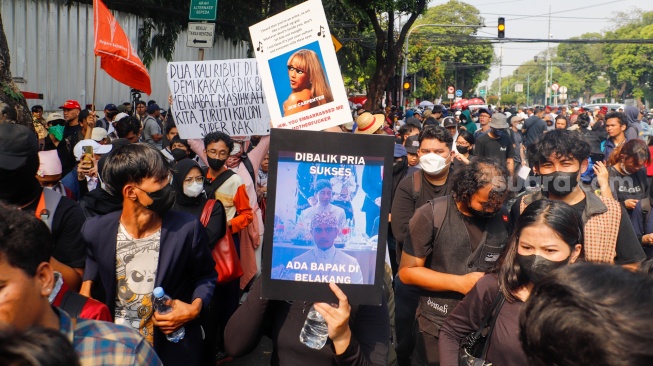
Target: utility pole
(500,67)
(548,57)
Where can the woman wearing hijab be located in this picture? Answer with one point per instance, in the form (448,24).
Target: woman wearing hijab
(188,182)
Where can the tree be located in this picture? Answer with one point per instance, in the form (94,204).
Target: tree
(389,43)
(9,92)
(442,56)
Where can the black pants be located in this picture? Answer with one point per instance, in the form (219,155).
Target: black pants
(427,352)
(406,299)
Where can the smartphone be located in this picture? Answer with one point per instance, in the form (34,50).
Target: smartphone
(597,157)
(88,155)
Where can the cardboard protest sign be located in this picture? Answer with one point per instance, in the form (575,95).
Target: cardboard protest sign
(224,95)
(327,215)
(299,69)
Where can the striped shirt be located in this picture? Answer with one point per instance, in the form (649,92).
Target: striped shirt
(104,343)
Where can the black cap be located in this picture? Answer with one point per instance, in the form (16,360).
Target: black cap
(412,144)
(414,121)
(437,108)
(449,122)
(110,107)
(17,143)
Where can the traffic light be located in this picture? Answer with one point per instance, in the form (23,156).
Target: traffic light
(501,28)
(408,84)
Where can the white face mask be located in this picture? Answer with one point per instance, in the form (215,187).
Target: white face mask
(520,126)
(475,119)
(432,163)
(194,189)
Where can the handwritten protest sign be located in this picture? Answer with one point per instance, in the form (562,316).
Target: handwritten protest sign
(299,69)
(326,215)
(225,95)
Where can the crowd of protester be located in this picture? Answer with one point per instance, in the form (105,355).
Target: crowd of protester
(537,216)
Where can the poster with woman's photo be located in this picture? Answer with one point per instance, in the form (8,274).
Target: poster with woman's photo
(299,69)
(327,215)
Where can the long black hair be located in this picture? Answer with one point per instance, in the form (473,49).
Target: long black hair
(559,217)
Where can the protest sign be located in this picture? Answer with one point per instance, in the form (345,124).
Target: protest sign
(219,95)
(299,69)
(326,216)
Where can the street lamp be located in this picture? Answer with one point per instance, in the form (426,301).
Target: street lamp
(404,69)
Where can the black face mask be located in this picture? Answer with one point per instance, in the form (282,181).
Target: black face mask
(179,154)
(215,164)
(560,183)
(481,214)
(536,267)
(162,200)
(497,133)
(462,149)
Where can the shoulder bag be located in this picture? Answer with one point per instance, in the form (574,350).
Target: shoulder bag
(227,263)
(473,349)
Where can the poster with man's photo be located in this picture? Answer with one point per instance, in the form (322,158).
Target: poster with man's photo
(299,69)
(327,215)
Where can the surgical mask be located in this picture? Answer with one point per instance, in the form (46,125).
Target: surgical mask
(237,148)
(194,189)
(57,132)
(215,164)
(536,267)
(462,149)
(560,183)
(162,200)
(520,126)
(179,154)
(474,119)
(432,163)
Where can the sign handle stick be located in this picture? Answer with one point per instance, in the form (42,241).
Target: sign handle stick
(201,54)
(94,81)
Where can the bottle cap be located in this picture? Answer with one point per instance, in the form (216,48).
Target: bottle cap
(158,292)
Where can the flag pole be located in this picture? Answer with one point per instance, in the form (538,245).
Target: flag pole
(94,80)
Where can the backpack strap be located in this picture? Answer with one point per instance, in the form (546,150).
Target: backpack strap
(47,206)
(416,179)
(206,212)
(73,303)
(439,214)
(249,167)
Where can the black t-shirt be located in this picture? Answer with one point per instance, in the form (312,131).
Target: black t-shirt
(627,187)
(67,224)
(499,149)
(64,152)
(535,128)
(403,205)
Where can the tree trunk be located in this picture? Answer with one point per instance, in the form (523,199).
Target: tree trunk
(9,92)
(388,50)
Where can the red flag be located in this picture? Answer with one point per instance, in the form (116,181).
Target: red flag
(119,59)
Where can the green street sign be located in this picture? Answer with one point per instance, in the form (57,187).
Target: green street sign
(482,91)
(203,10)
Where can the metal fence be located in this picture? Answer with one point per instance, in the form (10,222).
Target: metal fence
(51,49)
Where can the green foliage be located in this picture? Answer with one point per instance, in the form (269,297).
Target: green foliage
(441,57)
(620,70)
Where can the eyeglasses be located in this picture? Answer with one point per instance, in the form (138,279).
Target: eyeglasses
(298,71)
(199,179)
(220,154)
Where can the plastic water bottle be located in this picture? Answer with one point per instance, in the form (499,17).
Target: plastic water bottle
(315,332)
(163,304)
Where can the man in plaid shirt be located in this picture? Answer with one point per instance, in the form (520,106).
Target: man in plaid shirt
(26,280)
